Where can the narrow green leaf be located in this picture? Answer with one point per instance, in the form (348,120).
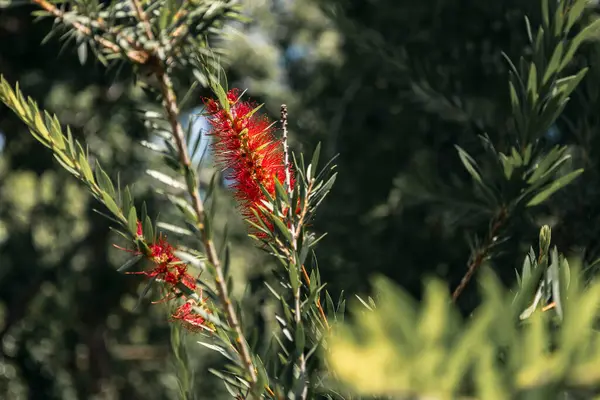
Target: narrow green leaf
(565,86)
(554,167)
(469,163)
(184,207)
(574,13)
(518,161)
(507,165)
(166,179)
(590,32)
(545,14)
(532,85)
(148,230)
(144,214)
(85,169)
(281,228)
(174,228)
(282,194)
(514,98)
(221,94)
(104,181)
(132,221)
(55,131)
(553,187)
(331,306)
(127,200)
(514,72)
(554,63)
(314,163)
(275,294)
(112,206)
(218,349)
(363,302)
(528,29)
(541,167)
(130,263)
(559,19)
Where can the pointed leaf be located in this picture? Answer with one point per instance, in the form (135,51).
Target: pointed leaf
(553,187)
(130,263)
(132,221)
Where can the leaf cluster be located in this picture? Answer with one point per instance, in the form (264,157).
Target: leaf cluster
(404,349)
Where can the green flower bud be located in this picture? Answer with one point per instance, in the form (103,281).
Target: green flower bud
(545,236)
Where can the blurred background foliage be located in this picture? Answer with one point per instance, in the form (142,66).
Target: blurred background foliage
(390,85)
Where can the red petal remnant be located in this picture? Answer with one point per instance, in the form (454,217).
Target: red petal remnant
(189,319)
(167,267)
(247,150)
(171,270)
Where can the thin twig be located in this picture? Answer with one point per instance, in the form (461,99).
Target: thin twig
(286,151)
(295,230)
(480,254)
(143,18)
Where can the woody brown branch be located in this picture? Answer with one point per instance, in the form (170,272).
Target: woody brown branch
(143,18)
(480,254)
(135,55)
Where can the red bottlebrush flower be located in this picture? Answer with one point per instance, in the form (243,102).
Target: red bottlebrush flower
(168,267)
(247,150)
(190,320)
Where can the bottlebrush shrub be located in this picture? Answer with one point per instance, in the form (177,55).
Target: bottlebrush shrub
(277,194)
(393,347)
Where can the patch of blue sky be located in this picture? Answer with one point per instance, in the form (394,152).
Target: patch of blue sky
(296,52)
(193,120)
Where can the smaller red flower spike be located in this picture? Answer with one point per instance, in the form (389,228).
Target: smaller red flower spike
(189,319)
(168,267)
(247,150)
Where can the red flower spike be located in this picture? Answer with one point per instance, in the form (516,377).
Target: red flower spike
(168,267)
(247,150)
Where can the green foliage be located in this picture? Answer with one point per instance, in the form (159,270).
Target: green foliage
(404,349)
(513,186)
(71,156)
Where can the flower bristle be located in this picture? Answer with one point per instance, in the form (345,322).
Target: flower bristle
(247,150)
(171,270)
